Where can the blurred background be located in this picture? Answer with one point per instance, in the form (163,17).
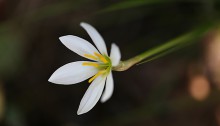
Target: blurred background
(179,89)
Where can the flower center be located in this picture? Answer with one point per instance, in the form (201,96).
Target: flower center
(103,65)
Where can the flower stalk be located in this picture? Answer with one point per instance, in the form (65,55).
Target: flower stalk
(168,47)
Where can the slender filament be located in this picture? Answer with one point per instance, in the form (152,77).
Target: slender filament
(101,57)
(90,64)
(89,56)
(95,76)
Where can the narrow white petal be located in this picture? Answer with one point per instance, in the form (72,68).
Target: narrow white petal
(109,87)
(96,37)
(72,73)
(78,45)
(115,55)
(92,95)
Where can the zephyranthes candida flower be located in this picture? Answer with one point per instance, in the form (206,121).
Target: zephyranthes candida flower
(98,69)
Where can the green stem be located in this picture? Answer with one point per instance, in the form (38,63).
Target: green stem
(181,41)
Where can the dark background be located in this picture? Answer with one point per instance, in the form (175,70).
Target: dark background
(179,89)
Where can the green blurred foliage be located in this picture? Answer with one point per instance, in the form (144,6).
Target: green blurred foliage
(10,50)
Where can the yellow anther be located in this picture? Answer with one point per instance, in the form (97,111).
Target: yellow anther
(95,76)
(90,56)
(101,57)
(90,64)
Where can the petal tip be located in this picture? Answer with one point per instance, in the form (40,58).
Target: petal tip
(83,24)
(80,112)
(63,38)
(50,79)
(103,100)
(113,44)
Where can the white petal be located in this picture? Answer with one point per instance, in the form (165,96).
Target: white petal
(108,88)
(115,55)
(72,73)
(92,95)
(78,45)
(96,37)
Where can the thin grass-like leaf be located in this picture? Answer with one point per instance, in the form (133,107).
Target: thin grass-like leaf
(166,48)
(131,4)
(174,44)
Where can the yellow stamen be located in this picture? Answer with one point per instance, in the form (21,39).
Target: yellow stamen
(90,57)
(102,58)
(90,64)
(94,77)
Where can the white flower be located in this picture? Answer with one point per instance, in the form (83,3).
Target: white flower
(98,70)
